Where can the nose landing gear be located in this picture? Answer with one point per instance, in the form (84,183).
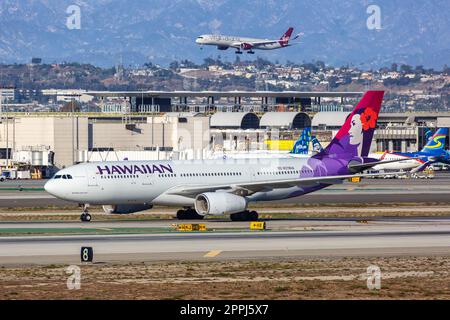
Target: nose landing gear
(85,216)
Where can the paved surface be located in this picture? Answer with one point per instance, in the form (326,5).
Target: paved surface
(301,237)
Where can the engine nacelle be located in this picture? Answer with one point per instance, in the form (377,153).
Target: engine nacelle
(246,46)
(126,208)
(218,203)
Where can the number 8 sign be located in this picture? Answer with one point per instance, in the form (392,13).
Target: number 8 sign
(87,254)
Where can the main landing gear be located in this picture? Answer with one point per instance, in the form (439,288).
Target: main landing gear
(244,216)
(251,52)
(188,214)
(85,216)
(238,52)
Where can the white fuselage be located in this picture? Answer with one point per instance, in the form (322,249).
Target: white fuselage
(406,163)
(235,42)
(107,183)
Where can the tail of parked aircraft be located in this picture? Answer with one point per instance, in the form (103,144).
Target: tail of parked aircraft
(287,35)
(436,143)
(316,146)
(428,135)
(301,146)
(355,136)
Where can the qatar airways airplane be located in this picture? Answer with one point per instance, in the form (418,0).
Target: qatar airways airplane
(246,44)
(227,186)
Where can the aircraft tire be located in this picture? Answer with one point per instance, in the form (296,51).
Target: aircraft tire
(188,215)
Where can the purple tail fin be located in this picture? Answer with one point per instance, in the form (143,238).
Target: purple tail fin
(355,136)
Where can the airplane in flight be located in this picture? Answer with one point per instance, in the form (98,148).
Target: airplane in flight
(246,44)
(433,152)
(222,187)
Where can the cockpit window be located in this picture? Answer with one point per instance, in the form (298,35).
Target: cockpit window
(65,176)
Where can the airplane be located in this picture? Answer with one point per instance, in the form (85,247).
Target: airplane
(222,187)
(246,44)
(431,153)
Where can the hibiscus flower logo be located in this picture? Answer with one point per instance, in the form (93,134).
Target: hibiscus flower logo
(369,119)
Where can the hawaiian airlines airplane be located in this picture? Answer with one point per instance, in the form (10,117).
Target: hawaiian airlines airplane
(218,187)
(246,44)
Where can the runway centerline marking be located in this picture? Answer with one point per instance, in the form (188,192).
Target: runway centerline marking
(212,254)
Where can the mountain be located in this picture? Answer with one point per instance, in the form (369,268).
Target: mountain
(159,31)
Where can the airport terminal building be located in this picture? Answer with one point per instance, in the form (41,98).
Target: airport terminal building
(203,123)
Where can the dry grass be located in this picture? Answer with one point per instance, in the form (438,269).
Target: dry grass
(332,278)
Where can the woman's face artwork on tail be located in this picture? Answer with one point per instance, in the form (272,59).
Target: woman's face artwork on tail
(356,132)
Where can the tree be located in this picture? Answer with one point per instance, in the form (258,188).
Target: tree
(174,65)
(406,68)
(394,67)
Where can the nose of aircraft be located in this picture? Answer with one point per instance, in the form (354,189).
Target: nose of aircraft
(50,187)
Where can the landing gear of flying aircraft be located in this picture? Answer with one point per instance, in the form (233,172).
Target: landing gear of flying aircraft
(85,216)
(251,52)
(188,214)
(244,216)
(238,52)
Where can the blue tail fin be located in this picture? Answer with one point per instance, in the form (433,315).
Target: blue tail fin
(428,135)
(301,146)
(316,146)
(436,144)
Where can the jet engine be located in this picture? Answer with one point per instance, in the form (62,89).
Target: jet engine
(246,46)
(218,203)
(126,208)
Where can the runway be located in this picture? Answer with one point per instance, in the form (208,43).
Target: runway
(296,238)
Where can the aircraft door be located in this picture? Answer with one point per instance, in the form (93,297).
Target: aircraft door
(92,178)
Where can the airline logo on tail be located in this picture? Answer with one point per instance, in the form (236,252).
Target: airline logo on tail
(355,136)
(284,40)
(301,146)
(436,144)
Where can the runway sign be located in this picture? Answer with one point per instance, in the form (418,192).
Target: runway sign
(191,227)
(87,254)
(256,225)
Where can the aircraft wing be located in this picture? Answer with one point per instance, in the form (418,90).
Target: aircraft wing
(249,188)
(253,44)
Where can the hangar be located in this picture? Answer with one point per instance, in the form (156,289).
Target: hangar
(234,120)
(285,120)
